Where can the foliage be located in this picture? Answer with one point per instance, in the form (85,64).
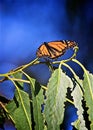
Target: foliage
(44,106)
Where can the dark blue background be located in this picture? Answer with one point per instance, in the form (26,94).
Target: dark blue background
(25,24)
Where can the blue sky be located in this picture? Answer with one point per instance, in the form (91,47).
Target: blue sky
(26,24)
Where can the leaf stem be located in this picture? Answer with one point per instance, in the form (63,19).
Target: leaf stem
(69,101)
(69,59)
(18,69)
(20,97)
(76,61)
(21,80)
(66,65)
(3,106)
(86,73)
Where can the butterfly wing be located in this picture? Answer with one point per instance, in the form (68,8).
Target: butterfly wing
(54,49)
(71,44)
(57,49)
(57,45)
(42,51)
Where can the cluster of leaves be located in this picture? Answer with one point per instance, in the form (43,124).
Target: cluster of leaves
(43,107)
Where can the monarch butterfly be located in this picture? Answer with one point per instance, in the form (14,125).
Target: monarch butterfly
(54,49)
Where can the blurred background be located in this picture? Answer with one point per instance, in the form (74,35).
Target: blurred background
(25,24)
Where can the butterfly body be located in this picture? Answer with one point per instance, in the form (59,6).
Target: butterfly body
(54,49)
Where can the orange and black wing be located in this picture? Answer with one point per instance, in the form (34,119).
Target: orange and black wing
(42,51)
(54,49)
(57,48)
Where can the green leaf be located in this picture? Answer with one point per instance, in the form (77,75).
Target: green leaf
(77,97)
(37,100)
(56,96)
(19,110)
(88,95)
(18,76)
